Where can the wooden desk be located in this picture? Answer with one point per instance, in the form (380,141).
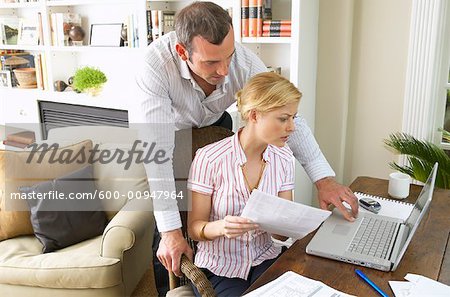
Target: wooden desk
(428,254)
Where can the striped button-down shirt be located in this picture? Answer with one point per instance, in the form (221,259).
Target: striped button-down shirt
(167,93)
(217,171)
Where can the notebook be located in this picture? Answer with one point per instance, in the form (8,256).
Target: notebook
(373,240)
(389,207)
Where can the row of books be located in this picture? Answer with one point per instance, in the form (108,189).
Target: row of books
(22,31)
(40,65)
(272,28)
(256,20)
(159,22)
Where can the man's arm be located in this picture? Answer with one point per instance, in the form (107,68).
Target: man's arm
(307,152)
(153,117)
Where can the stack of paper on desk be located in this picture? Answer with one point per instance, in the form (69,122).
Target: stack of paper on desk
(418,286)
(292,284)
(279,216)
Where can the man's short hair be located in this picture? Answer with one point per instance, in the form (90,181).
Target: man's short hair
(205,19)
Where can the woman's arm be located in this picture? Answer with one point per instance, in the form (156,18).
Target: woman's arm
(288,196)
(198,219)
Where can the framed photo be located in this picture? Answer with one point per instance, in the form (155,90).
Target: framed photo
(28,32)
(5,79)
(9,28)
(105,34)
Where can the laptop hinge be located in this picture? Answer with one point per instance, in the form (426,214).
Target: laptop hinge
(398,242)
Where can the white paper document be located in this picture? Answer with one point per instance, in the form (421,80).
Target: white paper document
(418,285)
(291,284)
(279,216)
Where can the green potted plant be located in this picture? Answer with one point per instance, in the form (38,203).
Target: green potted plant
(421,156)
(89,80)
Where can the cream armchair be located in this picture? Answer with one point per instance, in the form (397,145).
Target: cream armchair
(111,264)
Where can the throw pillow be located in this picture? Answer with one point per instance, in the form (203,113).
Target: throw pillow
(17,171)
(59,223)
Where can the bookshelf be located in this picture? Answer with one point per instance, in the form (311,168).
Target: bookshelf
(62,61)
(296,55)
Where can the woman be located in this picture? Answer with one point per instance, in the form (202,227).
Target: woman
(232,251)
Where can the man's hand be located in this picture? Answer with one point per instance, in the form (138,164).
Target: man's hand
(331,192)
(171,247)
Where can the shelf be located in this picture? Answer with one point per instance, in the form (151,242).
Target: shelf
(23,92)
(22,47)
(86,2)
(86,48)
(20,5)
(105,99)
(286,40)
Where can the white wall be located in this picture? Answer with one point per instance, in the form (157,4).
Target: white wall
(361,83)
(307,81)
(333,80)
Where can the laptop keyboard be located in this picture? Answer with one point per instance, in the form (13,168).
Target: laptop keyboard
(373,238)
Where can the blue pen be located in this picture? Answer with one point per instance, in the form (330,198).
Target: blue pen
(371,283)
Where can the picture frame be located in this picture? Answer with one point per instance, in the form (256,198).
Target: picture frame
(9,29)
(105,34)
(5,79)
(28,32)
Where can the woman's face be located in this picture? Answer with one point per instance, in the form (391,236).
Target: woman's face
(274,127)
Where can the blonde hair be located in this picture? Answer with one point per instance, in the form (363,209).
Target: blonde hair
(265,92)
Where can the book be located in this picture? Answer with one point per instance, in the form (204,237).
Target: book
(14,143)
(155,24)
(25,137)
(389,207)
(277,22)
(28,32)
(267,10)
(259,18)
(276,34)
(253,18)
(40,30)
(39,75)
(149,27)
(244,18)
(276,27)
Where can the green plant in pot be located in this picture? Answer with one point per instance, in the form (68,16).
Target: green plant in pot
(89,80)
(421,156)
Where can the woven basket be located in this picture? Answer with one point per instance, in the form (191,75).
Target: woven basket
(26,77)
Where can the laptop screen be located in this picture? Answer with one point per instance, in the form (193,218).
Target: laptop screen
(424,196)
(419,210)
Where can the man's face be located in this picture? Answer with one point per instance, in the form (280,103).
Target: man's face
(209,61)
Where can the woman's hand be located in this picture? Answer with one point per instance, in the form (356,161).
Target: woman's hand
(233,226)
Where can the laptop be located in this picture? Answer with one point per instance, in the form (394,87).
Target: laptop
(372,240)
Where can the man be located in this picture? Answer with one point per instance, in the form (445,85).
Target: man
(188,79)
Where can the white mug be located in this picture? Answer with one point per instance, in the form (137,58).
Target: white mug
(399,185)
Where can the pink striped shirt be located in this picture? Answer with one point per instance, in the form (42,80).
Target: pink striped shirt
(216,171)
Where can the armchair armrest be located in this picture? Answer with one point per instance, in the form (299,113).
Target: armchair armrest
(125,228)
